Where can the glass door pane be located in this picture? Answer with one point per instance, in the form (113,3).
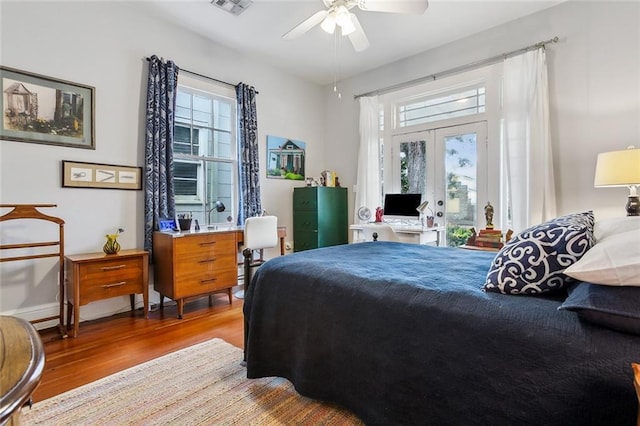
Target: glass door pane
(413,167)
(459,181)
(409,163)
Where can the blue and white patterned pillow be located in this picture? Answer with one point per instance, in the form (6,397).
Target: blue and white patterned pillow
(533,262)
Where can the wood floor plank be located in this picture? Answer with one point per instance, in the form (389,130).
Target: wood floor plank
(108,345)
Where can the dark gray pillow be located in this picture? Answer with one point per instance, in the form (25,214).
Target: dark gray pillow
(617,308)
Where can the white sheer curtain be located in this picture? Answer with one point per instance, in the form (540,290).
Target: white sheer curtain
(368,178)
(530,190)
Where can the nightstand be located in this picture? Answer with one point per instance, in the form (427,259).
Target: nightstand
(97,276)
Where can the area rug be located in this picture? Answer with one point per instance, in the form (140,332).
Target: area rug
(203,384)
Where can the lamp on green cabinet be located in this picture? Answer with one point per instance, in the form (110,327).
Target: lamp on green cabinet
(621,168)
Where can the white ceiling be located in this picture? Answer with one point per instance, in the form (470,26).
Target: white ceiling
(258,30)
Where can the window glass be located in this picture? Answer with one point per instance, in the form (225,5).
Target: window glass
(457,104)
(413,167)
(204,155)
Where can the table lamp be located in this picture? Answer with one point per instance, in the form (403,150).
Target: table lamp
(422,208)
(621,168)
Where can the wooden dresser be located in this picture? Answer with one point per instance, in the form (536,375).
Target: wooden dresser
(22,361)
(97,276)
(190,264)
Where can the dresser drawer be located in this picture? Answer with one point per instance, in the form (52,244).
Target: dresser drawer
(305,240)
(206,244)
(110,278)
(305,199)
(196,282)
(305,221)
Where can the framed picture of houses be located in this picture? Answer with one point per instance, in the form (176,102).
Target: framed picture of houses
(46,110)
(285,158)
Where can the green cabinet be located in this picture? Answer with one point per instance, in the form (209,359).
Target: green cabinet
(319,217)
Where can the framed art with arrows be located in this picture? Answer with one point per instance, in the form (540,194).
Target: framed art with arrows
(94,175)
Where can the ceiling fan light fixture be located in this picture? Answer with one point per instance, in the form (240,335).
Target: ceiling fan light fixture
(342,16)
(329,23)
(347,27)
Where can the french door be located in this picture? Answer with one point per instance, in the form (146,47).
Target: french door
(448,166)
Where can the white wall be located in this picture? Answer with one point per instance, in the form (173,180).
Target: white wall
(104,44)
(594,77)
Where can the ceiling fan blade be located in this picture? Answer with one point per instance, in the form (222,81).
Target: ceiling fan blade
(416,7)
(358,37)
(306,25)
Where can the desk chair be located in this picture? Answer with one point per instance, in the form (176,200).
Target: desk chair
(379,232)
(260,232)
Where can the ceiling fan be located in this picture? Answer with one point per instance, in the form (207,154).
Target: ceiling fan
(338,14)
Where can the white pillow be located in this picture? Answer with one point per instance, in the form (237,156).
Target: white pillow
(606,227)
(614,260)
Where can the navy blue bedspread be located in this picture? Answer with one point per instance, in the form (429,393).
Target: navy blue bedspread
(403,334)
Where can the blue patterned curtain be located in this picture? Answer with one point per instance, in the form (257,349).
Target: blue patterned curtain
(158,152)
(249,204)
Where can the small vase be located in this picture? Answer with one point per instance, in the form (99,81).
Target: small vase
(111,246)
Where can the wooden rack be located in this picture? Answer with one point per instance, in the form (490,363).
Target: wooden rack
(30,211)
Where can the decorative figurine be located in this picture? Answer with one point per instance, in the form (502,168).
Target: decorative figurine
(379,213)
(488,214)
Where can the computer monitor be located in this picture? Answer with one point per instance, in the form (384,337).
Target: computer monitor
(402,206)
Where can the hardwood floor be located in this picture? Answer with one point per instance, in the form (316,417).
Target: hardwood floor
(112,344)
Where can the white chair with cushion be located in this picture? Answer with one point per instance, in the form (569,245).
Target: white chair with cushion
(260,232)
(379,232)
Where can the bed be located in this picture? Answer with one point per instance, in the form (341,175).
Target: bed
(405,334)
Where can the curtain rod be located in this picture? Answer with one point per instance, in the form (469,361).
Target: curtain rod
(459,69)
(205,76)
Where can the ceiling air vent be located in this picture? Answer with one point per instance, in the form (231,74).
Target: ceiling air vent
(235,7)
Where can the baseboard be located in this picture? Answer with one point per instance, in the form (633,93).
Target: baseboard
(36,312)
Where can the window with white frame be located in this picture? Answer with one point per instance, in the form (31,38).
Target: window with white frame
(441,139)
(204,153)
(458,103)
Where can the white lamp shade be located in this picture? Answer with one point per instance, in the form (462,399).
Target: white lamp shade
(329,23)
(342,15)
(347,28)
(618,168)
(422,207)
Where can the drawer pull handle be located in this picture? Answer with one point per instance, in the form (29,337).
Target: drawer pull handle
(114,284)
(207,260)
(111,268)
(209,243)
(210,280)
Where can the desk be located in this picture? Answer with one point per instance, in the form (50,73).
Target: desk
(408,234)
(282,233)
(196,263)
